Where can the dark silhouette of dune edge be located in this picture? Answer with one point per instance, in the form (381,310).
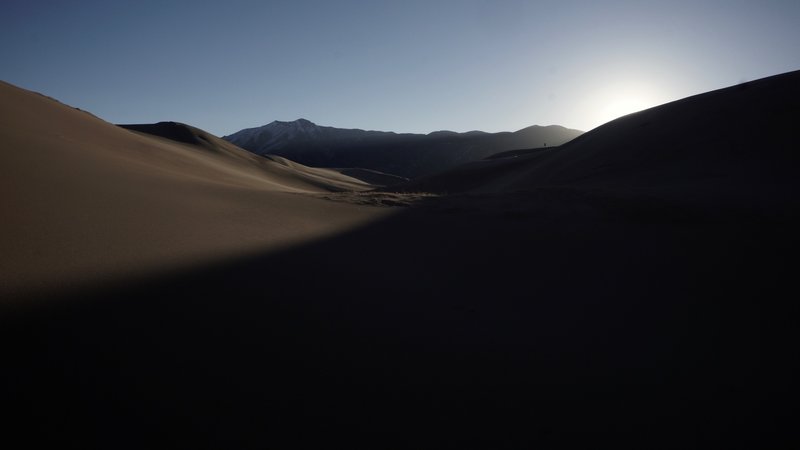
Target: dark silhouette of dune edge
(735,145)
(583,307)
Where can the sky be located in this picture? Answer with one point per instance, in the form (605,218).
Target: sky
(405,66)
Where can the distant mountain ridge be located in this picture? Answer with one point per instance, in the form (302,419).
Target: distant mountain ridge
(404,154)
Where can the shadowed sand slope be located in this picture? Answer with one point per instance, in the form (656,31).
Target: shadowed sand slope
(535,309)
(373,176)
(84,200)
(737,144)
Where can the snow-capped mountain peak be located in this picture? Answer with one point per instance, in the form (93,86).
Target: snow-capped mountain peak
(277,134)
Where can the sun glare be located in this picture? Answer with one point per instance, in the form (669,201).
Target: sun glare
(617,101)
(622,106)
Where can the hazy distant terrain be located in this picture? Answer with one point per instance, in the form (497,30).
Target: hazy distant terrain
(406,155)
(632,288)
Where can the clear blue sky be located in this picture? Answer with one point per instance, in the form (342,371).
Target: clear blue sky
(408,66)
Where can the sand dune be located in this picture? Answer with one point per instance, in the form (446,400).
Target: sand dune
(85,201)
(559,299)
(735,145)
(373,176)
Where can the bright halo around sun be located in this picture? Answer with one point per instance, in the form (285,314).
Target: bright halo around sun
(622,106)
(618,101)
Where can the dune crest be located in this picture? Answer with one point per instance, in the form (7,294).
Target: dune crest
(734,145)
(85,201)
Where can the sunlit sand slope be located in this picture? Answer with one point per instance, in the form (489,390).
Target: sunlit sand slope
(85,201)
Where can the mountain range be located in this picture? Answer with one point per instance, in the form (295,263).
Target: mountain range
(632,288)
(403,154)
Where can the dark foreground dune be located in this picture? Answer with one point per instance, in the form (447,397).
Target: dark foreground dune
(737,145)
(510,315)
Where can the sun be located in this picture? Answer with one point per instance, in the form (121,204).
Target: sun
(618,100)
(622,106)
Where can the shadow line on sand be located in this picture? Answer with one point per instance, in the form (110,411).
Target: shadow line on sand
(445,324)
